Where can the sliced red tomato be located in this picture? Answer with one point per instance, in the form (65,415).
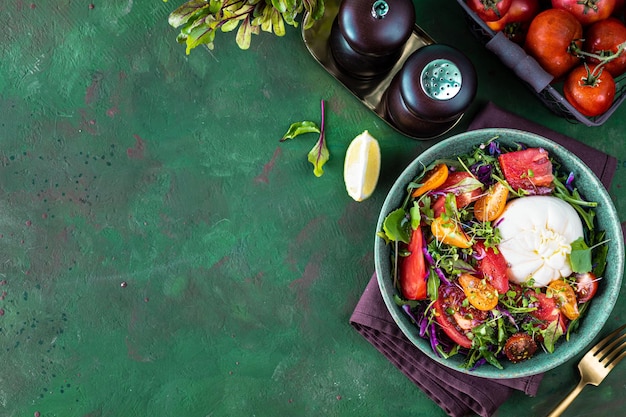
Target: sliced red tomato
(413,269)
(492,266)
(547,310)
(586,287)
(455,319)
(529,169)
(463,195)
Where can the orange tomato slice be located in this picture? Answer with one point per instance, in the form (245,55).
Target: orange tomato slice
(491,205)
(433,179)
(565,298)
(479,292)
(447,231)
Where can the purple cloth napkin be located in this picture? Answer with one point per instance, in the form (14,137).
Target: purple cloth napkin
(457,393)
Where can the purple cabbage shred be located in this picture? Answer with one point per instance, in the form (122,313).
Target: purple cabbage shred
(482,172)
(433,339)
(569,183)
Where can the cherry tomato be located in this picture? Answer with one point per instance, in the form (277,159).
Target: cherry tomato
(448,231)
(603,38)
(480,294)
(514,24)
(565,298)
(586,287)
(528,169)
(454,318)
(548,40)
(433,179)
(588,91)
(586,11)
(519,347)
(491,205)
(413,269)
(493,267)
(489,10)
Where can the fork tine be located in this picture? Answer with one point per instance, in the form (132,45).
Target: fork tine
(617,355)
(617,360)
(610,348)
(603,343)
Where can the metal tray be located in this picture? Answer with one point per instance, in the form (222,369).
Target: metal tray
(369,92)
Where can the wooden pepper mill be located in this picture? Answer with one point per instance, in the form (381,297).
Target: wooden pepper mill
(368,36)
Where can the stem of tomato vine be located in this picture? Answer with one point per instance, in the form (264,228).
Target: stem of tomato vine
(575,50)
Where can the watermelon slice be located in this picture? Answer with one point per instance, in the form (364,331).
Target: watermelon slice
(529,169)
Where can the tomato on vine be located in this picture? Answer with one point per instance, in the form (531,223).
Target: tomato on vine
(589,89)
(604,38)
(550,38)
(514,24)
(489,10)
(586,11)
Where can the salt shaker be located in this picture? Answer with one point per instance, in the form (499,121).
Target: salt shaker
(368,36)
(431,91)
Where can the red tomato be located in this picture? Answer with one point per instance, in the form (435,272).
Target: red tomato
(452,184)
(590,92)
(492,266)
(547,310)
(413,269)
(489,10)
(586,287)
(586,11)
(529,169)
(603,38)
(548,41)
(451,315)
(514,24)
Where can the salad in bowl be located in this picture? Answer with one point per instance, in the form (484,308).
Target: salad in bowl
(491,253)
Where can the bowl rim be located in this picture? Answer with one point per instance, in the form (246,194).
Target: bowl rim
(588,330)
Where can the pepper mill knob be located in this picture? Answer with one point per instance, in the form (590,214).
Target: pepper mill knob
(367,37)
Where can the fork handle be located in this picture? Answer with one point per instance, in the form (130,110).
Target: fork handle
(558,410)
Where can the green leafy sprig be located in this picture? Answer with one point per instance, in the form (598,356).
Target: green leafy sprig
(200,20)
(319,155)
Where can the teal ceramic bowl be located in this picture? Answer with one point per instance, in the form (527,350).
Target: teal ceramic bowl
(589,186)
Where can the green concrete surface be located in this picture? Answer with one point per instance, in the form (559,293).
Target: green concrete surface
(162,254)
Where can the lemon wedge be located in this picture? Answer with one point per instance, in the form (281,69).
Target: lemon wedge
(362,166)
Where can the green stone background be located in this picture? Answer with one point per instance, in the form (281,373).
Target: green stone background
(162,254)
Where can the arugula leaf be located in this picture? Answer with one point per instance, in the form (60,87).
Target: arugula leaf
(580,257)
(395,226)
(551,335)
(414,213)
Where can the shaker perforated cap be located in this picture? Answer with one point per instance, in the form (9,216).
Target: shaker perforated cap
(376,27)
(438,82)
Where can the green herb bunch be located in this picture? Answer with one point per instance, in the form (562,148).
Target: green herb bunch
(200,20)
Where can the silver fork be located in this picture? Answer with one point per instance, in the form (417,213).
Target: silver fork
(596,365)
